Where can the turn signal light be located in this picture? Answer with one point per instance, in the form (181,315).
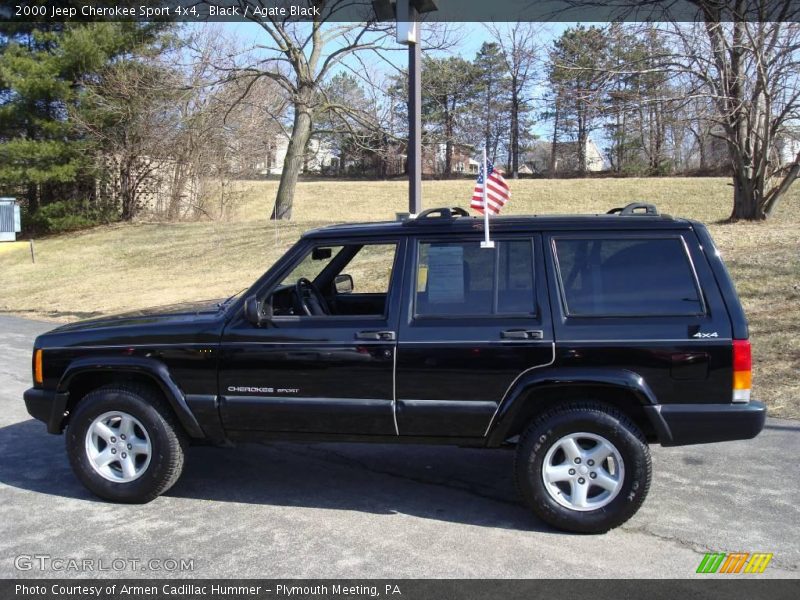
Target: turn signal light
(38,376)
(742,370)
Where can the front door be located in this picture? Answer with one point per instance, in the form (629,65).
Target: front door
(475,320)
(330,371)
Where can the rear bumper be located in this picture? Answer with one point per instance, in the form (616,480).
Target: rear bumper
(47,406)
(681,424)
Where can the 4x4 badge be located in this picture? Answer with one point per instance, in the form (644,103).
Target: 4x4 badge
(700,334)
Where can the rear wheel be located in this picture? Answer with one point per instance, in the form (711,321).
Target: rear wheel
(583,467)
(124,443)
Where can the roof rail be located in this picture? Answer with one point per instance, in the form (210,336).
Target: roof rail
(434,215)
(635,209)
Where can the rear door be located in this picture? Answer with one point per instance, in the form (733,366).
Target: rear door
(472,321)
(645,302)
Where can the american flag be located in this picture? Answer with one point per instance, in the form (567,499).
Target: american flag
(497,191)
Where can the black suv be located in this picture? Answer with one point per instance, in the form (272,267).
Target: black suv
(578,340)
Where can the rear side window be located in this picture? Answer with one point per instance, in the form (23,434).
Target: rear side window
(627,277)
(462,279)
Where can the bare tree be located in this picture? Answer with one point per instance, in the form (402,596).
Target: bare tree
(127,116)
(227,126)
(750,69)
(298,57)
(519,48)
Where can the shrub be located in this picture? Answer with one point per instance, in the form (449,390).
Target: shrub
(63,216)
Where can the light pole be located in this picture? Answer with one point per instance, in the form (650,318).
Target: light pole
(408,32)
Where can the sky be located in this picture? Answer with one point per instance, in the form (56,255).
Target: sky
(469,38)
(470,35)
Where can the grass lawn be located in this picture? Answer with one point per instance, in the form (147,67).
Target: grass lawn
(120,267)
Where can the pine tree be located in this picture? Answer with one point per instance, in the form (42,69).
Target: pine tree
(492,104)
(43,71)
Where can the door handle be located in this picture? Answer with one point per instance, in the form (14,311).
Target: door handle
(379,336)
(522,334)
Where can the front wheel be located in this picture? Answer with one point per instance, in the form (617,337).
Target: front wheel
(124,443)
(583,467)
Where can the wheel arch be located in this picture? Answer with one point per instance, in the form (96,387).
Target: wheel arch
(542,390)
(86,374)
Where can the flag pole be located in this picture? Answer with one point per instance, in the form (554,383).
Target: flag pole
(487,242)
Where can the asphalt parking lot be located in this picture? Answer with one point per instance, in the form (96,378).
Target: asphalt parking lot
(336,510)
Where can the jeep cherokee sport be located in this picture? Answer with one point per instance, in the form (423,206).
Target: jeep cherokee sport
(578,340)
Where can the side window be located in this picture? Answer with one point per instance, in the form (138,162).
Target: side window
(515,277)
(371,268)
(313,264)
(463,279)
(627,277)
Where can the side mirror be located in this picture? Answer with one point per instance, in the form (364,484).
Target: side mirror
(344,284)
(253,311)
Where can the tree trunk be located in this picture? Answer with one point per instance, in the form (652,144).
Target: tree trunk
(582,138)
(747,204)
(551,169)
(126,191)
(449,128)
(32,196)
(701,146)
(487,123)
(780,190)
(293,163)
(514,129)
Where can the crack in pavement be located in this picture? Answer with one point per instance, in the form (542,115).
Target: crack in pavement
(699,548)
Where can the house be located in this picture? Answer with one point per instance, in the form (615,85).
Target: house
(320,157)
(787,146)
(391,161)
(525,170)
(711,150)
(462,162)
(541,157)
(394,160)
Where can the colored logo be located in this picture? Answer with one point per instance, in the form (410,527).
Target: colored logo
(735,562)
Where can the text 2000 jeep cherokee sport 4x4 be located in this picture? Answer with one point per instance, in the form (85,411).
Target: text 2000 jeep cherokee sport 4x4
(579,339)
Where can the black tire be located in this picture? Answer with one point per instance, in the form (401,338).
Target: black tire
(594,418)
(167,438)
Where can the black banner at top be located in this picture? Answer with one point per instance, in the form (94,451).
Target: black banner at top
(377,10)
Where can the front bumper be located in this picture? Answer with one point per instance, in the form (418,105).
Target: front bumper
(681,424)
(47,406)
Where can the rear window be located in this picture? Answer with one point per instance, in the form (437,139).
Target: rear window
(627,277)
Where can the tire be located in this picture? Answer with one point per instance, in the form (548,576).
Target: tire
(154,445)
(556,481)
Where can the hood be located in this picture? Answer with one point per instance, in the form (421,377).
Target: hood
(185,311)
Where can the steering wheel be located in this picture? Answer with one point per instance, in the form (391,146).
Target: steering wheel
(311,300)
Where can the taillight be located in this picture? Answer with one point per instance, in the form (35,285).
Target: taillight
(38,375)
(742,367)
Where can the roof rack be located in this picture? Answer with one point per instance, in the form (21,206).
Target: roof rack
(635,209)
(438,215)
